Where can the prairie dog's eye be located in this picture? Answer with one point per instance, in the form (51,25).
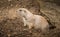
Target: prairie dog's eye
(20,10)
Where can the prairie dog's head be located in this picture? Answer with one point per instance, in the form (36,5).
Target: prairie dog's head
(22,11)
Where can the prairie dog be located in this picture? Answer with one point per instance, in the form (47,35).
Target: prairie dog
(32,20)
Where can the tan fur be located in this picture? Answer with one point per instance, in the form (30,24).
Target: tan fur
(32,20)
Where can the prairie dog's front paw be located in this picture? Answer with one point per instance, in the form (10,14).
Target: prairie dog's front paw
(24,21)
(30,26)
(24,24)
